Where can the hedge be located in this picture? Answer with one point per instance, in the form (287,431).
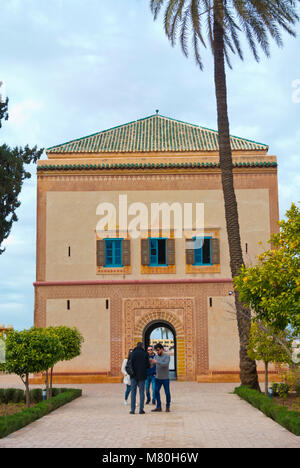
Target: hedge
(286,418)
(14,422)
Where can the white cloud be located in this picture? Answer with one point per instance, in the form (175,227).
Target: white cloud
(21,113)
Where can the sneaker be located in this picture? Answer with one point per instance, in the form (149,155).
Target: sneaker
(147,402)
(131,412)
(125,402)
(142,412)
(167,410)
(156,410)
(154,402)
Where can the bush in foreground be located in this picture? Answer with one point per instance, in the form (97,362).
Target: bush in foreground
(288,419)
(12,423)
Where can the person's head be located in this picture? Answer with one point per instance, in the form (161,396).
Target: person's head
(130,351)
(150,350)
(159,348)
(139,345)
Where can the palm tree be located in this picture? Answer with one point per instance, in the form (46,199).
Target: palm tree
(224,21)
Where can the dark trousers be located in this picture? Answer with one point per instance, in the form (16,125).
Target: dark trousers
(127,391)
(150,382)
(166,385)
(134,385)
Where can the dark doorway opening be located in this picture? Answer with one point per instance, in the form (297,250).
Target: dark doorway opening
(163,332)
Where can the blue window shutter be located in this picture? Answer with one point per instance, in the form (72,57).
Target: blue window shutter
(202,255)
(153,251)
(113,252)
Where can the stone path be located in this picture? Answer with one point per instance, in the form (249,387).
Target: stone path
(202,416)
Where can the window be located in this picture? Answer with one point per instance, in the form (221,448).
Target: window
(158,252)
(203,251)
(113,252)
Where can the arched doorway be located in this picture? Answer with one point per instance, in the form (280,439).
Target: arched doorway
(160,331)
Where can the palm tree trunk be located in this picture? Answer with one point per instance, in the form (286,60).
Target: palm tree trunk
(248,371)
(266,379)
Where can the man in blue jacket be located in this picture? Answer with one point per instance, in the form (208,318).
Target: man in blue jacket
(150,380)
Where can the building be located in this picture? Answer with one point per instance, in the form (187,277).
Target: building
(117,288)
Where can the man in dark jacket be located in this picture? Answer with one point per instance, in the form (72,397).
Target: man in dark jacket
(140,363)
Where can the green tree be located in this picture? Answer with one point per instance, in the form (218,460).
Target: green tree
(29,351)
(3,108)
(267,347)
(12,175)
(52,353)
(71,340)
(272,287)
(224,21)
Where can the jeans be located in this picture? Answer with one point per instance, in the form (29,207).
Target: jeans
(166,385)
(150,381)
(134,385)
(127,391)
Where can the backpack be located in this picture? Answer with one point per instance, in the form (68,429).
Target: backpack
(129,368)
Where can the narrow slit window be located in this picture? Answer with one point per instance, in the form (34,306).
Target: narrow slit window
(68,305)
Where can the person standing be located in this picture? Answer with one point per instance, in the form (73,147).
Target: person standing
(162,361)
(150,380)
(139,361)
(126,379)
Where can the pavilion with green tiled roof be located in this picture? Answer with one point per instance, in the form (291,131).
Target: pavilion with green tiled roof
(155,133)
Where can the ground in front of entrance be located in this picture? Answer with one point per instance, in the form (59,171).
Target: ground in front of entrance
(202,416)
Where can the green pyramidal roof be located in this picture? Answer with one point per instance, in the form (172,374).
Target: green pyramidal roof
(154,133)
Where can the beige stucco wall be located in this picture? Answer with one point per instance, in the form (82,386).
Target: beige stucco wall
(223,339)
(92,319)
(71,221)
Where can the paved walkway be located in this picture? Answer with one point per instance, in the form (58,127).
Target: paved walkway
(202,416)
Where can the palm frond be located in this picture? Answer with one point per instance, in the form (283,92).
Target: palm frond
(259,20)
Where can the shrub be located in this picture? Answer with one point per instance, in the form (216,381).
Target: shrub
(56,391)
(280,389)
(36,395)
(288,419)
(2,395)
(9,394)
(297,388)
(12,423)
(18,396)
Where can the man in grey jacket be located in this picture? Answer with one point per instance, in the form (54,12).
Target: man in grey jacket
(162,361)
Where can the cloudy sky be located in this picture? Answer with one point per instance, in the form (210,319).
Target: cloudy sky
(72,68)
